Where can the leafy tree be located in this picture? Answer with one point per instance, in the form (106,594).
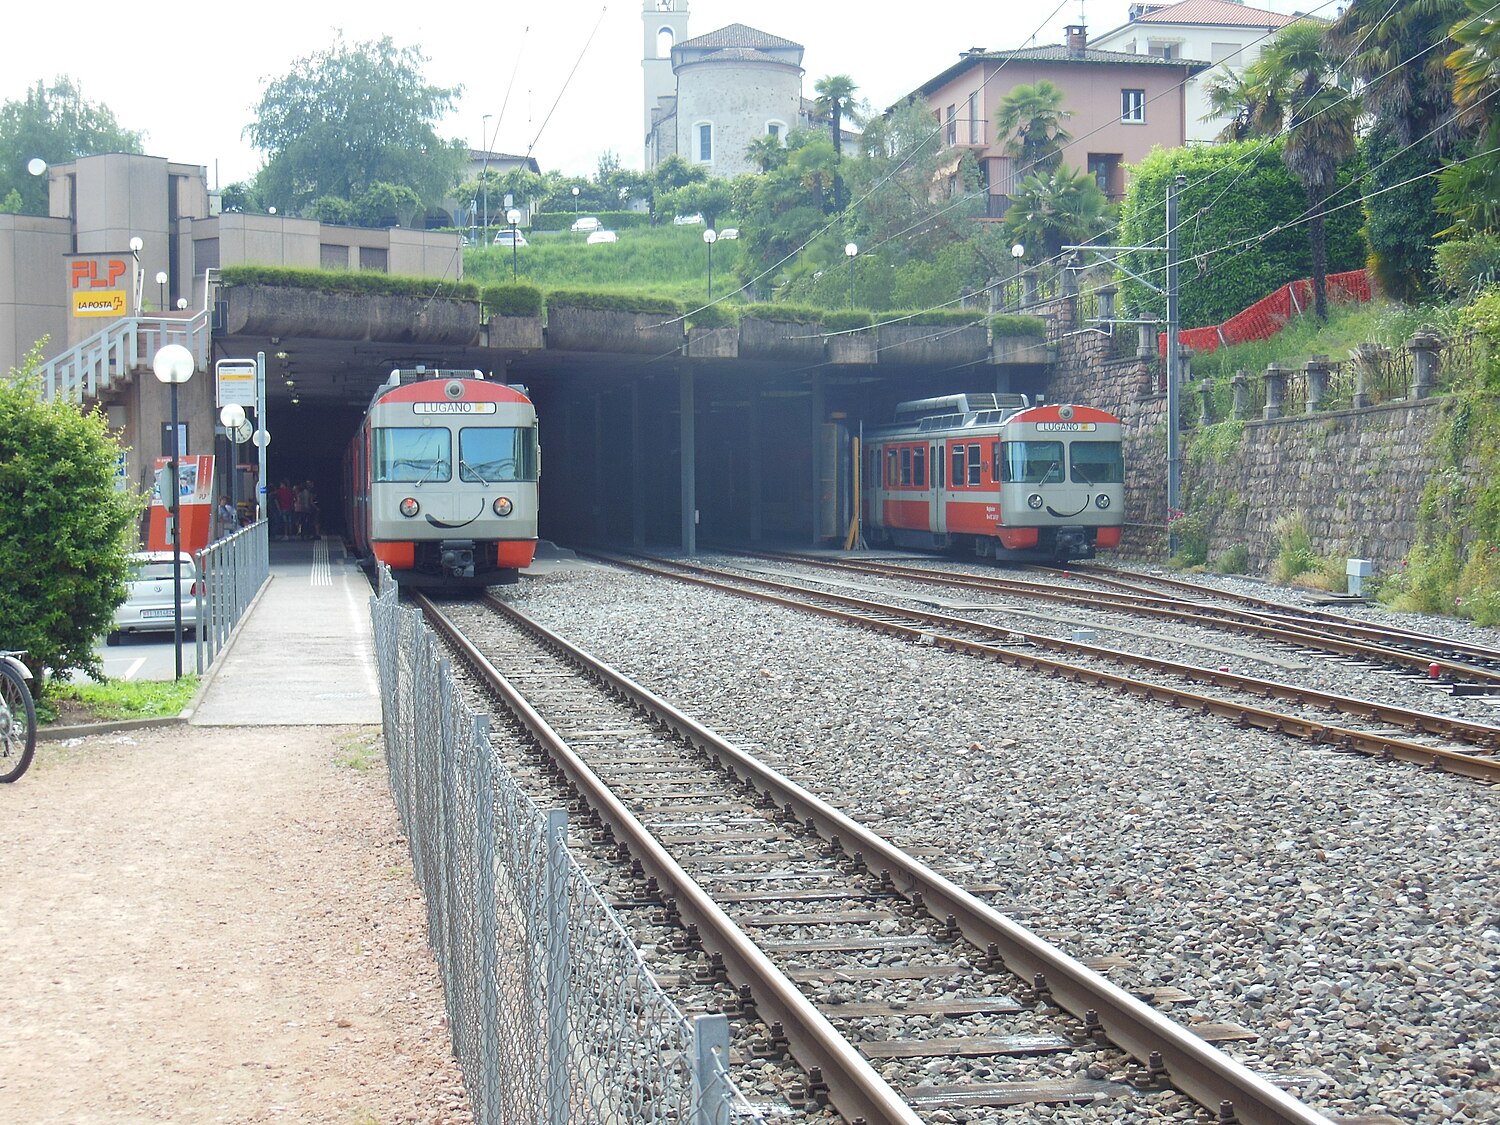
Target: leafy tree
(1396,53)
(56,124)
(65,532)
(387,205)
(350,117)
(710,198)
(1469,191)
(1299,87)
(1030,118)
(767,151)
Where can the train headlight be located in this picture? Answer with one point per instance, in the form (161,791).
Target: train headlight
(1034,501)
(410,507)
(502,506)
(1101,501)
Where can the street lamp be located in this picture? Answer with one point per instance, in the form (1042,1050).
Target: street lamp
(575,201)
(513,217)
(173,364)
(850,251)
(161,290)
(236,429)
(710,236)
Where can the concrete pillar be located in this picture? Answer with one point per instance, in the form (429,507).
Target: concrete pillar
(1276,377)
(1366,357)
(1107,295)
(637,470)
(1145,344)
(687,435)
(1424,347)
(1239,387)
(1316,370)
(1206,408)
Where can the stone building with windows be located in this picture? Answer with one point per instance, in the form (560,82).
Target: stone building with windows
(709,97)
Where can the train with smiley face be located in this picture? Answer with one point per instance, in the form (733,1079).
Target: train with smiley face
(997,476)
(440,482)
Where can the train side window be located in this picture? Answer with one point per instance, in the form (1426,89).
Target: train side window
(937,462)
(890,468)
(906,465)
(919,466)
(975,464)
(995,462)
(958,476)
(412,454)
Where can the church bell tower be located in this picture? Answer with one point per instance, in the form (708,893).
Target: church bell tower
(664,23)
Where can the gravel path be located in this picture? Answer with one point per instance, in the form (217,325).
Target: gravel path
(212,924)
(1344,909)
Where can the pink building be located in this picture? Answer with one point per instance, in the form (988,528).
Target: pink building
(1122,105)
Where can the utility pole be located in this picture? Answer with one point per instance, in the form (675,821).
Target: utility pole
(1174,391)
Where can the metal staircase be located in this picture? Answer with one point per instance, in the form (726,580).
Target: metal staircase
(115,354)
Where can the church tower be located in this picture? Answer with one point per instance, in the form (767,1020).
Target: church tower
(665,25)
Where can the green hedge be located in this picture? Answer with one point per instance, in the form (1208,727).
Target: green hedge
(842,320)
(796,314)
(608,220)
(715,316)
(953,318)
(613,302)
(347,281)
(1007,325)
(512,300)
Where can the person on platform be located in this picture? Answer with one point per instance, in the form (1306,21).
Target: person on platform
(283,510)
(229,519)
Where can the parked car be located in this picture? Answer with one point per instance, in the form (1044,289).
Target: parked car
(148,607)
(693,220)
(510,238)
(602,236)
(730,233)
(587,222)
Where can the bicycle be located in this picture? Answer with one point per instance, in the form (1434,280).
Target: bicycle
(17,716)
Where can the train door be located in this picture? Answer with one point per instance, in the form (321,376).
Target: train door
(937,513)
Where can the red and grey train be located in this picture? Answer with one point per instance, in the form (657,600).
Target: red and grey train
(441,479)
(995,473)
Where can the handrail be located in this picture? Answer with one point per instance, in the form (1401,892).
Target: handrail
(114,353)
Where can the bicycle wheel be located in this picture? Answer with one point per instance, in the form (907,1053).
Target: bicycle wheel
(17,724)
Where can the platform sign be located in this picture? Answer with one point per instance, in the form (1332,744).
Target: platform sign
(235,381)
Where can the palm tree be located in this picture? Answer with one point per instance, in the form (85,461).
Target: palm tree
(1301,98)
(767,151)
(1231,96)
(1030,118)
(836,100)
(1054,209)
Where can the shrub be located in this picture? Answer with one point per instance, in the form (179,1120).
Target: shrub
(1006,324)
(1295,555)
(613,302)
(364,282)
(794,314)
(953,318)
(1236,560)
(720,315)
(65,531)
(1192,541)
(512,300)
(842,320)
(1467,266)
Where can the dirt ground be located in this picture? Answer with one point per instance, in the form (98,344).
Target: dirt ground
(204,924)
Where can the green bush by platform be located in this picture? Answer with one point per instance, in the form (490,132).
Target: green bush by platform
(794,314)
(721,315)
(951,318)
(512,300)
(1008,325)
(365,282)
(844,320)
(613,302)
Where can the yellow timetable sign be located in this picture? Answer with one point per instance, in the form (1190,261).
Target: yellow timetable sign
(109,302)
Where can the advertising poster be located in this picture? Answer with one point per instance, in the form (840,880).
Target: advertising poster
(195,493)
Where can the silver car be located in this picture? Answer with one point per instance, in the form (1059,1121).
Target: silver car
(148,607)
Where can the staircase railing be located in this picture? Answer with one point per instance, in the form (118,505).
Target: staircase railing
(116,352)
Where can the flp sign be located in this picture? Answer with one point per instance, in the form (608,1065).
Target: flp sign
(235,381)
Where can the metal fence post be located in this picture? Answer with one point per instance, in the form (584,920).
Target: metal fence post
(711,1095)
(555,850)
(482,791)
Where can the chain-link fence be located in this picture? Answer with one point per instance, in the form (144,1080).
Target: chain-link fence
(554,1017)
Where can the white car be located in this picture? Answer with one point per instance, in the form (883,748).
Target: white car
(694,220)
(729,233)
(510,238)
(587,222)
(148,607)
(602,236)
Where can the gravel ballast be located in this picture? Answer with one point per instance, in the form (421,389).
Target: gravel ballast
(1343,909)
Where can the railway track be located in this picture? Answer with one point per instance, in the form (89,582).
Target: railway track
(1464,667)
(1446,742)
(870,967)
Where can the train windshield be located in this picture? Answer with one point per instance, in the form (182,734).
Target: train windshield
(1031,462)
(488,454)
(1096,462)
(411,454)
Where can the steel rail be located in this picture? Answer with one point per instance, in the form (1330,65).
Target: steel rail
(1359,641)
(1486,768)
(1193,1066)
(856,1088)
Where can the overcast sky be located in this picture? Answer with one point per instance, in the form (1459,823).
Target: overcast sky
(189,78)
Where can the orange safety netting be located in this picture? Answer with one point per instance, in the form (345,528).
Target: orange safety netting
(1270,314)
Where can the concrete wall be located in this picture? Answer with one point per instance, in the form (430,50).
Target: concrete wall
(33,285)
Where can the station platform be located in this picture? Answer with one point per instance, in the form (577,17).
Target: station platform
(304,654)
